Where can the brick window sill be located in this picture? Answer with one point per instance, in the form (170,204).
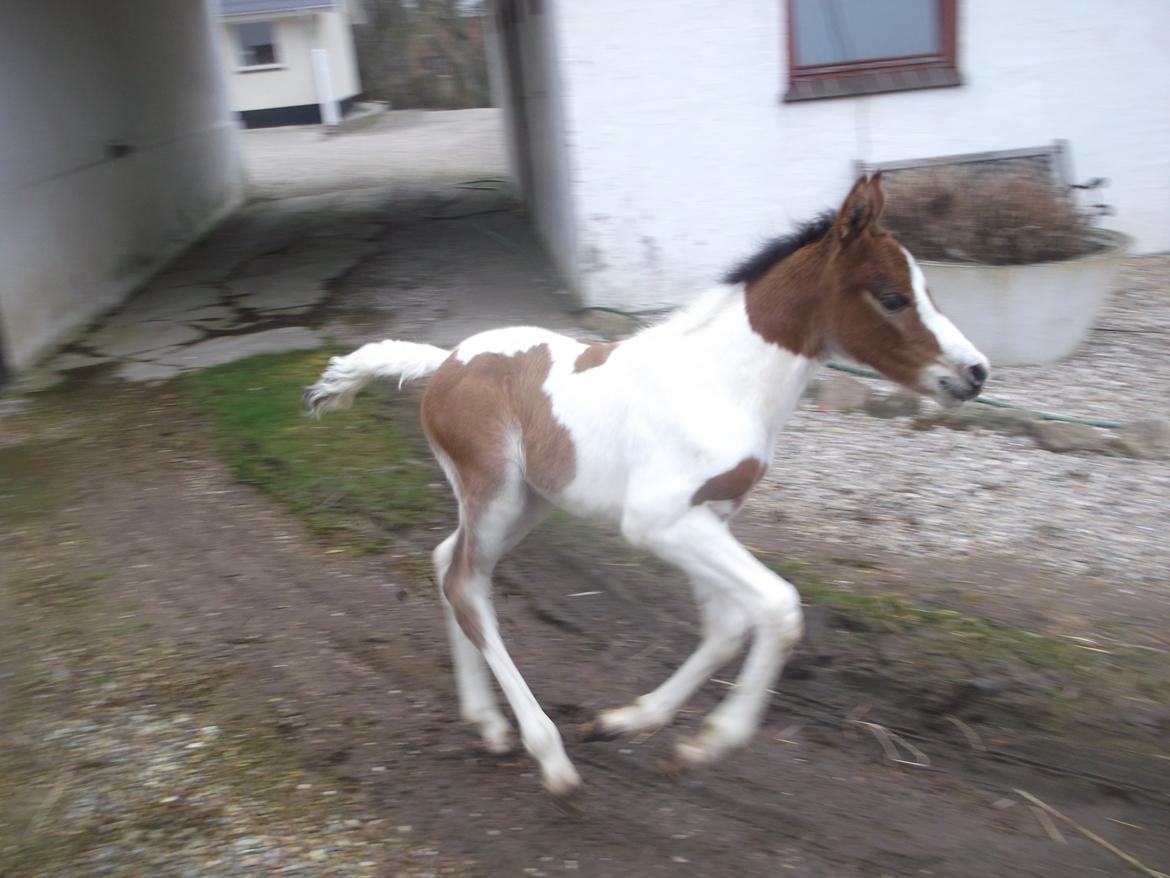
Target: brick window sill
(871,82)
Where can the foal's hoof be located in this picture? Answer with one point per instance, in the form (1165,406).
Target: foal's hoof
(710,745)
(570,804)
(670,767)
(594,730)
(498,738)
(564,785)
(691,754)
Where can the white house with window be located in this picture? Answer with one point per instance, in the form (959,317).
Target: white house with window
(286,59)
(656,142)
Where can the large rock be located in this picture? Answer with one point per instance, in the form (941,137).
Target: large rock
(1068,438)
(899,404)
(1011,421)
(975,416)
(962,418)
(1148,439)
(841,393)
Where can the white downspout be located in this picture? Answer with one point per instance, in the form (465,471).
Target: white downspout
(330,113)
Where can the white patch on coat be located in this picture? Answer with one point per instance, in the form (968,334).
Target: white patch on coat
(507,342)
(673,406)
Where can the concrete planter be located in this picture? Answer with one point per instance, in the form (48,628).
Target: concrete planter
(1023,315)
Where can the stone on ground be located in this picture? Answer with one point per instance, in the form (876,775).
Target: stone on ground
(1068,438)
(1145,439)
(138,338)
(841,393)
(227,349)
(899,404)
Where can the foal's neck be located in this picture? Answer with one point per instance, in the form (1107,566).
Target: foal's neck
(765,341)
(785,305)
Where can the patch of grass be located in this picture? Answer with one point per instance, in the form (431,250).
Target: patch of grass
(355,475)
(30,486)
(965,637)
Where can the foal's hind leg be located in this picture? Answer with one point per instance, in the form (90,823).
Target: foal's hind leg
(486,534)
(477,701)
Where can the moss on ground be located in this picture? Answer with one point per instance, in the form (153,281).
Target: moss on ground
(367,466)
(935,638)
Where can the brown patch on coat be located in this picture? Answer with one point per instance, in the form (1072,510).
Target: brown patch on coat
(733,484)
(474,413)
(785,305)
(471,412)
(825,295)
(596,353)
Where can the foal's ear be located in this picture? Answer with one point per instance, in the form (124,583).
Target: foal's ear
(862,207)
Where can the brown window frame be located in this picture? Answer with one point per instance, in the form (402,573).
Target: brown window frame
(879,75)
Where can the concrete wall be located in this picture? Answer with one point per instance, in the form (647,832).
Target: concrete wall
(523,64)
(290,82)
(80,227)
(682,155)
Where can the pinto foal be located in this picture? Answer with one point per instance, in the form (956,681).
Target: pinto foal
(665,433)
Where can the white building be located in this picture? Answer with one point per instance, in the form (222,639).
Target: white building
(267,49)
(657,142)
(117,150)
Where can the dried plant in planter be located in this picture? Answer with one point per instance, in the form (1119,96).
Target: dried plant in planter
(996,217)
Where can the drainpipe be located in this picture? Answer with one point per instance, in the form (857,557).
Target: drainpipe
(330,113)
(4,373)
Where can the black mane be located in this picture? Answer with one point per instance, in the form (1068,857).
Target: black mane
(781,248)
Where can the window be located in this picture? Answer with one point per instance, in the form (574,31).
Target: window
(257,44)
(851,47)
(439,66)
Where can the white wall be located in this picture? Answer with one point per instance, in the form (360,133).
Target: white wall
(546,184)
(291,83)
(683,156)
(79,229)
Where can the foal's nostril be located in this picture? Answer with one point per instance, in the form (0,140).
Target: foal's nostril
(977,374)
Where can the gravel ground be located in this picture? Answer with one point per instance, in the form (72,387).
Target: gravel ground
(877,484)
(415,145)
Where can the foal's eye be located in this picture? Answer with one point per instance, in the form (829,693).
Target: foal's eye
(893,301)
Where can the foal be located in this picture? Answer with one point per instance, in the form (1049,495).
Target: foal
(665,433)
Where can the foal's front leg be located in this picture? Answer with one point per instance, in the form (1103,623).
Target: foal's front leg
(702,545)
(724,629)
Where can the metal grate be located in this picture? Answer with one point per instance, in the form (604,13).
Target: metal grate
(1053,162)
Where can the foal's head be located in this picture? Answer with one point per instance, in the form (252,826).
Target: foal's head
(876,309)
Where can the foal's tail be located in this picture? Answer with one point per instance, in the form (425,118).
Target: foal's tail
(345,376)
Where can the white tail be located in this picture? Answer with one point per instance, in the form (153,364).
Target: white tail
(345,376)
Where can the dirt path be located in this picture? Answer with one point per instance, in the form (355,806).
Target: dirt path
(340,662)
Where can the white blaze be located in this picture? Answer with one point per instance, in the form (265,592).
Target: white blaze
(954,344)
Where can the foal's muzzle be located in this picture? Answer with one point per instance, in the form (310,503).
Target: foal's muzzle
(951,385)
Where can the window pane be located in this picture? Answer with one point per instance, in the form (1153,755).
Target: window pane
(256,43)
(839,31)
